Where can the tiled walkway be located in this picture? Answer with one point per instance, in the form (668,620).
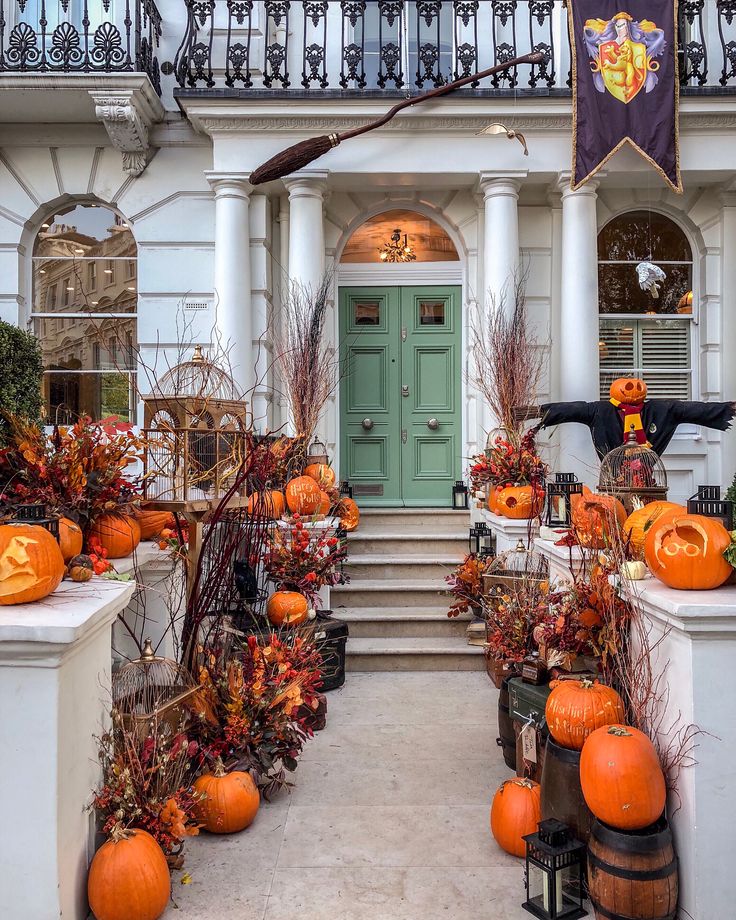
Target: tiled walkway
(388,819)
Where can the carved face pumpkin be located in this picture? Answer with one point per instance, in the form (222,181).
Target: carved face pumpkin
(628,390)
(685,551)
(520,502)
(31,564)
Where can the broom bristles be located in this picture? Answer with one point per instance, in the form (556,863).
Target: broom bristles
(293,158)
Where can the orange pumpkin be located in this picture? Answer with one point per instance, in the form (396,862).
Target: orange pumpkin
(287,608)
(630,390)
(515,812)
(322,474)
(637,524)
(270,504)
(576,708)
(229,803)
(129,878)
(349,514)
(621,778)
(31,564)
(520,502)
(71,539)
(685,551)
(493,492)
(119,534)
(325,503)
(596,518)
(152,523)
(303,495)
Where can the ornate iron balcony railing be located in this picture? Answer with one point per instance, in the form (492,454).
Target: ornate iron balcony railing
(381,46)
(80,36)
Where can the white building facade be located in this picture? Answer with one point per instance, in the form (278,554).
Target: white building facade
(160,116)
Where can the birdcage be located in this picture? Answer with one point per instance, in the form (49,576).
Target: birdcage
(150,691)
(518,569)
(195,429)
(633,473)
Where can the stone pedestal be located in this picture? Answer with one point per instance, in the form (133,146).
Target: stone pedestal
(696,655)
(565,562)
(54,697)
(509,532)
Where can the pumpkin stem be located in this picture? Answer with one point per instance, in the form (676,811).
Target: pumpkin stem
(119,833)
(619,731)
(586,683)
(219,770)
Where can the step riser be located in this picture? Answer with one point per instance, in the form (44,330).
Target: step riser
(387,598)
(413,661)
(407,629)
(408,522)
(360,545)
(396,571)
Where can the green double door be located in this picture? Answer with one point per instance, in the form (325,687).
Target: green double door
(400,394)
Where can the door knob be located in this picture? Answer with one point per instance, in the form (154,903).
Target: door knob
(433,424)
(367,424)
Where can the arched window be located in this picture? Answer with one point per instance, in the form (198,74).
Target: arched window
(645,277)
(85,301)
(426,240)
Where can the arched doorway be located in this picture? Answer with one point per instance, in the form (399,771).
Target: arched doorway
(85,298)
(400,393)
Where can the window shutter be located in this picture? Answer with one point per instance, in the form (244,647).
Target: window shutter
(665,357)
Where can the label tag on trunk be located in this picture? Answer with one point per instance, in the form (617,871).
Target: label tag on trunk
(529,742)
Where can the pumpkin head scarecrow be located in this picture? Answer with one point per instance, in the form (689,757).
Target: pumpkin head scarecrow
(652,422)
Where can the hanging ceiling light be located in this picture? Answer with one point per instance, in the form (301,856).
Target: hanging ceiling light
(394,250)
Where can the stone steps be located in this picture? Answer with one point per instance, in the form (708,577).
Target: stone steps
(450,544)
(399,568)
(413,654)
(397,595)
(405,622)
(410,521)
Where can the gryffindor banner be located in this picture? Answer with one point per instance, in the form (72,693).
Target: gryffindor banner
(625,84)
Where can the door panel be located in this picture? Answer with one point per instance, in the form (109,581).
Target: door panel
(400,361)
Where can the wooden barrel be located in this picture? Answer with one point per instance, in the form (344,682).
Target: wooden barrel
(561,795)
(632,874)
(506,739)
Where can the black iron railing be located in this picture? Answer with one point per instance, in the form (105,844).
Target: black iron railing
(79,36)
(390,45)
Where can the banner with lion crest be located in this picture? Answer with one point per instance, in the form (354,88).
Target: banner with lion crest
(625,84)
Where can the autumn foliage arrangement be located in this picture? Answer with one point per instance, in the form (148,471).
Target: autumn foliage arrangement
(465,584)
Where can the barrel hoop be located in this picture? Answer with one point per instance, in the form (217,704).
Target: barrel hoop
(562,753)
(601,911)
(653,839)
(633,875)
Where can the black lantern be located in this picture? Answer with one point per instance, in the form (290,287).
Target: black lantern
(482,540)
(460,496)
(36,515)
(559,494)
(554,873)
(709,503)
(346,488)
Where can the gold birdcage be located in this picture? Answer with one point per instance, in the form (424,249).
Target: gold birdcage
(518,569)
(633,473)
(150,691)
(195,430)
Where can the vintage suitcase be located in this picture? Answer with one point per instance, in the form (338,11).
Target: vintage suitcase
(527,701)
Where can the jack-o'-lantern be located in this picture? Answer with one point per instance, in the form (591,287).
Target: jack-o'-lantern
(322,474)
(303,495)
(685,551)
(520,502)
(596,519)
(639,522)
(31,564)
(349,514)
(629,390)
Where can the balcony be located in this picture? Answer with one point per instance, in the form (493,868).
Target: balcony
(291,49)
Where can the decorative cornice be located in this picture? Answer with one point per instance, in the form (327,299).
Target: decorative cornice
(126,119)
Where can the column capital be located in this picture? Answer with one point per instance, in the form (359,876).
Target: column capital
(493,183)
(234,185)
(310,183)
(590,187)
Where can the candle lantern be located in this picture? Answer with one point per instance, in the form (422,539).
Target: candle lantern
(709,503)
(317,453)
(554,873)
(460,496)
(36,515)
(559,495)
(482,540)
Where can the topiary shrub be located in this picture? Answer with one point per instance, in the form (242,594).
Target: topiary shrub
(21,370)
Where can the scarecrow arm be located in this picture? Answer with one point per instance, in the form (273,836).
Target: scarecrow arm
(708,414)
(558,413)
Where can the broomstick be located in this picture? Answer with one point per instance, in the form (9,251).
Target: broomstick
(305,152)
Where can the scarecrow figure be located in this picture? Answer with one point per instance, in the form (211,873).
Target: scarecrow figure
(652,421)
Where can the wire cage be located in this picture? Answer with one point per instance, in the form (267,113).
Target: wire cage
(151,690)
(519,569)
(196,433)
(633,473)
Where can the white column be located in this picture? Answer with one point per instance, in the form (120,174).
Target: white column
(232,272)
(501,237)
(728,334)
(579,324)
(306,227)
